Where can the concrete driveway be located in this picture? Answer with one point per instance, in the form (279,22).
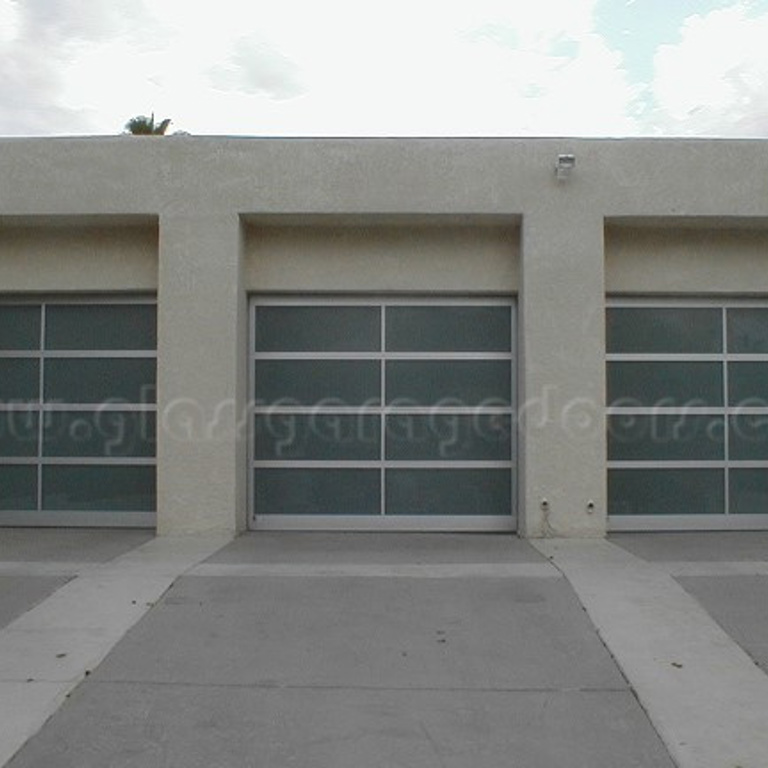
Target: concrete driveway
(379,650)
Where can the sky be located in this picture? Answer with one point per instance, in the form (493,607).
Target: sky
(394,68)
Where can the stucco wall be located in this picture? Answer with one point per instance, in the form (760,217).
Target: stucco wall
(87,258)
(212,196)
(382,258)
(201,375)
(652,260)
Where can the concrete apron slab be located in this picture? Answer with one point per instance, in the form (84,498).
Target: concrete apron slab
(378,571)
(703,693)
(47,651)
(366,633)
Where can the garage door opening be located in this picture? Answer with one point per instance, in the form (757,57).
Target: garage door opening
(687,385)
(383,415)
(78,412)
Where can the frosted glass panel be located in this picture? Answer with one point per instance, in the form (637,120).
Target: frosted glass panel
(665,438)
(748,384)
(99,380)
(463,382)
(748,490)
(19,379)
(98,326)
(669,384)
(308,382)
(656,329)
(449,437)
(18,433)
(317,492)
(748,436)
(449,492)
(18,488)
(109,434)
(318,437)
(748,331)
(20,328)
(318,329)
(448,329)
(99,488)
(666,492)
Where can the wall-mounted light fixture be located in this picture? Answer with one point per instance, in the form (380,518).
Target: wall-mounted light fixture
(565,164)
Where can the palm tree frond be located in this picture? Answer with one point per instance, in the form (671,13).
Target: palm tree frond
(141,125)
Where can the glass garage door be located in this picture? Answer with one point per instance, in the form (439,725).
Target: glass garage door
(687,389)
(385,415)
(77,413)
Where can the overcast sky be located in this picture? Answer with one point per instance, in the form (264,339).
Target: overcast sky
(392,67)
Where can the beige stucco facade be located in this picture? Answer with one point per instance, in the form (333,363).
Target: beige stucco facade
(205,222)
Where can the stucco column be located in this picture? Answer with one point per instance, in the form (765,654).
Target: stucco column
(562,371)
(202,331)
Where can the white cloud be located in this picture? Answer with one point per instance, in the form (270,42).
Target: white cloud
(493,67)
(255,68)
(350,67)
(715,80)
(489,67)
(10,21)
(49,36)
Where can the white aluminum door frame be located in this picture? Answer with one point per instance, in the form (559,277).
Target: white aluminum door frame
(690,522)
(382,521)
